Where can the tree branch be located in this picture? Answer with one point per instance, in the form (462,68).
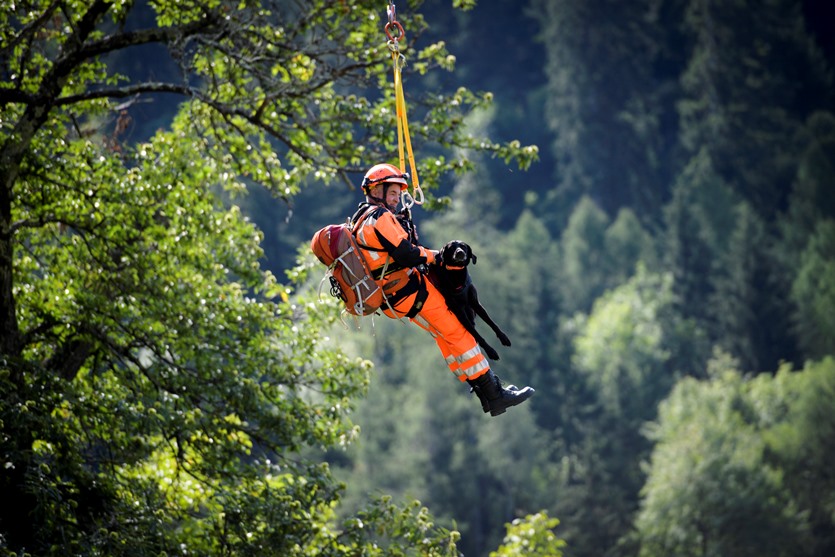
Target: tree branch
(128,91)
(164,35)
(8,96)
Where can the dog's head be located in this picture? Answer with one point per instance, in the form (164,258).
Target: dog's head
(457,255)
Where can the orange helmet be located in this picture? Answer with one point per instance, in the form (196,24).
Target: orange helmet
(386,173)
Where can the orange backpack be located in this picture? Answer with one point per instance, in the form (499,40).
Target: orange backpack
(350,276)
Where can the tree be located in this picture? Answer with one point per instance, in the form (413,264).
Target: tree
(531,537)
(800,439)
(628,244)
(607,105)
(583,275)
(802,247)
(749,314)
(698,219)
(622,352)
(158,387)
(813,292)
(623,347)
(752,78)
(738,468)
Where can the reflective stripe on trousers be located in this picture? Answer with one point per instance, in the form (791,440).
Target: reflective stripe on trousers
(458,347)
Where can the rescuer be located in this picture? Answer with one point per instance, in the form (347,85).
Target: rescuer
(384,235)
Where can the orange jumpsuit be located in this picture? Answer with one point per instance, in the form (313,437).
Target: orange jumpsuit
(387,246)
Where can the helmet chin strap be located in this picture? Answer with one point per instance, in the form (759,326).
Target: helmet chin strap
(382,200)
(375,199)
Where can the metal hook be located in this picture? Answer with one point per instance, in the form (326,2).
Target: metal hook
(406,199)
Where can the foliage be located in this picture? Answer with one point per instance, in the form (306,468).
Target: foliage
(627,245)
(597,254)
(531,537)
(160,388)
(605,104)
(698,219)
(748,311)
(740,114)
(623,344)
(814,292)
(138,414)
(725,477)
(622,355)
(582,256)
(384,529)
(192,379)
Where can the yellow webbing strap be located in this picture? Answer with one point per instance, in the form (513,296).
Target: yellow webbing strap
(403,138)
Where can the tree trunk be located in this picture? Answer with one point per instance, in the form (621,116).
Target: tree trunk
(11,153)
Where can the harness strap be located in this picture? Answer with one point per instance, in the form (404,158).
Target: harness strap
(415,284)
(410,288)
(390,266)
(420,299)
(385,270)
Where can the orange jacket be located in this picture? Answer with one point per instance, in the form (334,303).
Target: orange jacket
(384,240)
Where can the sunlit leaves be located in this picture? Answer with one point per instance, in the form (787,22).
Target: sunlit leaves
(379,527)
(434,54)
(147,269)
(169,384)
(532,536)
(623,347)
(184,11)
(725,470)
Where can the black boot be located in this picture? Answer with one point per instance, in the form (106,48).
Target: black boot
(494,398)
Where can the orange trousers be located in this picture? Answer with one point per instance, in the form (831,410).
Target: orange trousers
(460,350)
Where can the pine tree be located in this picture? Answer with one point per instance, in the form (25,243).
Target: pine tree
(608,104)
(752,78)
(748,312)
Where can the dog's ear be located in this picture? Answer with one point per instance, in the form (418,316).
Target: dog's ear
(473,257)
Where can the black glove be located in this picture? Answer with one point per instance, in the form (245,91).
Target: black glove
(404,217)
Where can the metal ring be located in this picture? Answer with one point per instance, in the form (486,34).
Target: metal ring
(400,30)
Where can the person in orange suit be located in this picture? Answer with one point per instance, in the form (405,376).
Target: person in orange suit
(389,242)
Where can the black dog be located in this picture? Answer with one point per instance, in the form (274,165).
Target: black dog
(453,280)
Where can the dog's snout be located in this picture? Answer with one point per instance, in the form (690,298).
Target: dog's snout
(459,255)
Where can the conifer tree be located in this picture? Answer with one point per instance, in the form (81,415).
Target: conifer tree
(751,80)
(607,104)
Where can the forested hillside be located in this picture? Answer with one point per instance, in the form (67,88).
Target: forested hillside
(649,187)
(677,253)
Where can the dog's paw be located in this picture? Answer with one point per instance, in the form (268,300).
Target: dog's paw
(504,338)
(491,352)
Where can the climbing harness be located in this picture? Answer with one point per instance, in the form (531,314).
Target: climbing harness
(395,33)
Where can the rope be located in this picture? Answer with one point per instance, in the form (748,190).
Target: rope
(394,32)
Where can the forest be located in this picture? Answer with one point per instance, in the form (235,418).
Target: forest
(649,187)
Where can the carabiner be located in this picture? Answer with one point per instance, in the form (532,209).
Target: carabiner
(392,13)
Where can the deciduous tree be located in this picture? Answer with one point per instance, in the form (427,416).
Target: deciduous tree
(738,466)
(157,385)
